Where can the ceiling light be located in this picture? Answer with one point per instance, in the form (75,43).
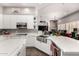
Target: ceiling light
(27,10)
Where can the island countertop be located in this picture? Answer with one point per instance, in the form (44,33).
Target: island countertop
(9,45)
(66,44)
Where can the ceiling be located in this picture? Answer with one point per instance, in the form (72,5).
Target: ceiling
(20,4)
(57,9)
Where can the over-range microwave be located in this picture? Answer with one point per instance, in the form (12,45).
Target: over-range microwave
(21,25)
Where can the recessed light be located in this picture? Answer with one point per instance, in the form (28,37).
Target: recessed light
(27,10)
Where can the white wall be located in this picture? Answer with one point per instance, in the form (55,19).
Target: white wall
(57,10)
(10,10)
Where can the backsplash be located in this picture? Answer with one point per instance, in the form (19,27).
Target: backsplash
(19,31)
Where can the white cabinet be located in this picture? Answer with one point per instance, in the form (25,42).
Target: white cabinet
(13,22)
(29,19)
(6,21)
(1,17)
(21,18)
(9,22)
(30,41)
(1,21)
(45,47)
(33,42)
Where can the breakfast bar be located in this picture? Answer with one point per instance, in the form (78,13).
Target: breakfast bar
(67,46)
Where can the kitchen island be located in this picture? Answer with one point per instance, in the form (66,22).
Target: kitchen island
(66,46)
(15,45)
(12,45)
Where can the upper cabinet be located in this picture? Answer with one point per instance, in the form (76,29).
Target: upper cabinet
(9,22)
(11,16)
(29,19)
(1,17)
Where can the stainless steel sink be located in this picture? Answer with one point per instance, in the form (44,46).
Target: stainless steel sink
(42,38)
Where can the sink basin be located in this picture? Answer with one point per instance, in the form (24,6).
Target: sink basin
(44,36)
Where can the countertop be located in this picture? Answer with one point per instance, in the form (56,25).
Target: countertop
(66,44)
(9,44)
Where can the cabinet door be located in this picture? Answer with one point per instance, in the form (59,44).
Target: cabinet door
(45,47)
(9,22)
(13,21)
(1,17)
(30,41)
(30,22)
(21,18)
(6,21)
(38,44)
(1,22)
(29,19)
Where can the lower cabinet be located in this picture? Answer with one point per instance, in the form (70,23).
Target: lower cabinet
(45,47)
(30,41)
(33,42)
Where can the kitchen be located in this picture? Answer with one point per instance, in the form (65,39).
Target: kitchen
(39,29)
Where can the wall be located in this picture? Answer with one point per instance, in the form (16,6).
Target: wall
(57,10)
(21,11)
